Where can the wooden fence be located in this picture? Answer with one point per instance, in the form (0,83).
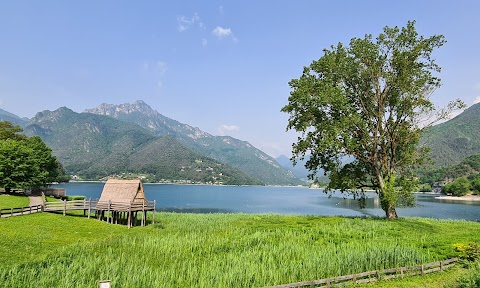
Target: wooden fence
(8,212)
(65,206)
(372,276)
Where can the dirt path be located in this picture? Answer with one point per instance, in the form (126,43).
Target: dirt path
(35,200)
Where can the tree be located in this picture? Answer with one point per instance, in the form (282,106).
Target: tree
(476,184)
(461,186)
(25,162)
(10,131)
(369,100)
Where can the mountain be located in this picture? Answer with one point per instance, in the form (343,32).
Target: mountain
(456,139)
(95,146)
(234,152)
(298,170)
(7,116)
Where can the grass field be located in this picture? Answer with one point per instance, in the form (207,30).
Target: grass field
(12,201)
(220,250)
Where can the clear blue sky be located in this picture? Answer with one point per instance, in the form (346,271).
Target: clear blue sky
(222,66)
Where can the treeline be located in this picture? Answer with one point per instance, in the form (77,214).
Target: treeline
(461,178)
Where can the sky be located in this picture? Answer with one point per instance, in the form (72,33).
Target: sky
(221,66)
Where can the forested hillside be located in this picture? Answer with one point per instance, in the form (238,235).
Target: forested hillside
(456,139)
(95,146)
(234,152)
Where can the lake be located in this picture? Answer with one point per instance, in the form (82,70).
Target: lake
(282,200)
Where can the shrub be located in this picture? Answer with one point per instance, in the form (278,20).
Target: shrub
(476,184)
(470,252)
(461,186)
(472,278)
(425,188)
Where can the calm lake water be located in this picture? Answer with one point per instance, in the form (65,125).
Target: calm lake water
(282,200)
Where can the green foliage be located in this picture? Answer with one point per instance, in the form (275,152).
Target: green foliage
(425,188)
(456,139)
(93,147)
(472,278)
(230,151)
(469,251)
(25,163)
(476,184)
(216,250)
(10,131)
(368,101)
(459,187)
(468,167)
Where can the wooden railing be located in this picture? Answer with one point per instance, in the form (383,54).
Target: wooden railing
(372,276)
(8,212)
(68,205)
(112,212)
(122,206)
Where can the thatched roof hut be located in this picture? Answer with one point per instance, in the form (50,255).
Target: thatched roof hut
(120,198)
(123,191)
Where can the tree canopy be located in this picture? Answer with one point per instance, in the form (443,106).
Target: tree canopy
(25,163)
(369,102)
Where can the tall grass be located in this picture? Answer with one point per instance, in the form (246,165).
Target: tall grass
(236,250)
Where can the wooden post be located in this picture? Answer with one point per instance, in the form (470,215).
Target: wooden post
(11,212)
(108,209)
(154,210)
(64,207)
(423,270)
(129,218)
(89,207)
(143,213)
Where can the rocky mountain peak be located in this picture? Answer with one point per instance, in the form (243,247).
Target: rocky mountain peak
(122,109)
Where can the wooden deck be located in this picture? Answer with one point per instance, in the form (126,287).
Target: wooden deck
(112,212)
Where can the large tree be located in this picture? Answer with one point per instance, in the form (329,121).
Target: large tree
(369,102)
(25,163)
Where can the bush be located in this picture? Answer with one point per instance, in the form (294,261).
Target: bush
(70,198)
(461,186)
(472,278)
(469,252)
(425,188)
(476,184)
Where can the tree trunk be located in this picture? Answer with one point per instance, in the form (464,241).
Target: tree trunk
(391,213)
(387,197)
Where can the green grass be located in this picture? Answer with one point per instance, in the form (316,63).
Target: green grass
(13,201)
(218,250)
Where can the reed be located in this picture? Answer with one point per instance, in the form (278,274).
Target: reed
(233,250)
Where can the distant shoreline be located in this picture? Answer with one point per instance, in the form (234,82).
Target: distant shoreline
(461,198)
(193,184)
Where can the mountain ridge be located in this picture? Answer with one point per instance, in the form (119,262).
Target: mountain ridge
(96,146)
(234,152)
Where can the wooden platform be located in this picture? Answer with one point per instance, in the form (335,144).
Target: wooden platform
(112,212)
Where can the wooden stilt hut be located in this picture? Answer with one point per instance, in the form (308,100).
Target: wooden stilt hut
(122,200)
